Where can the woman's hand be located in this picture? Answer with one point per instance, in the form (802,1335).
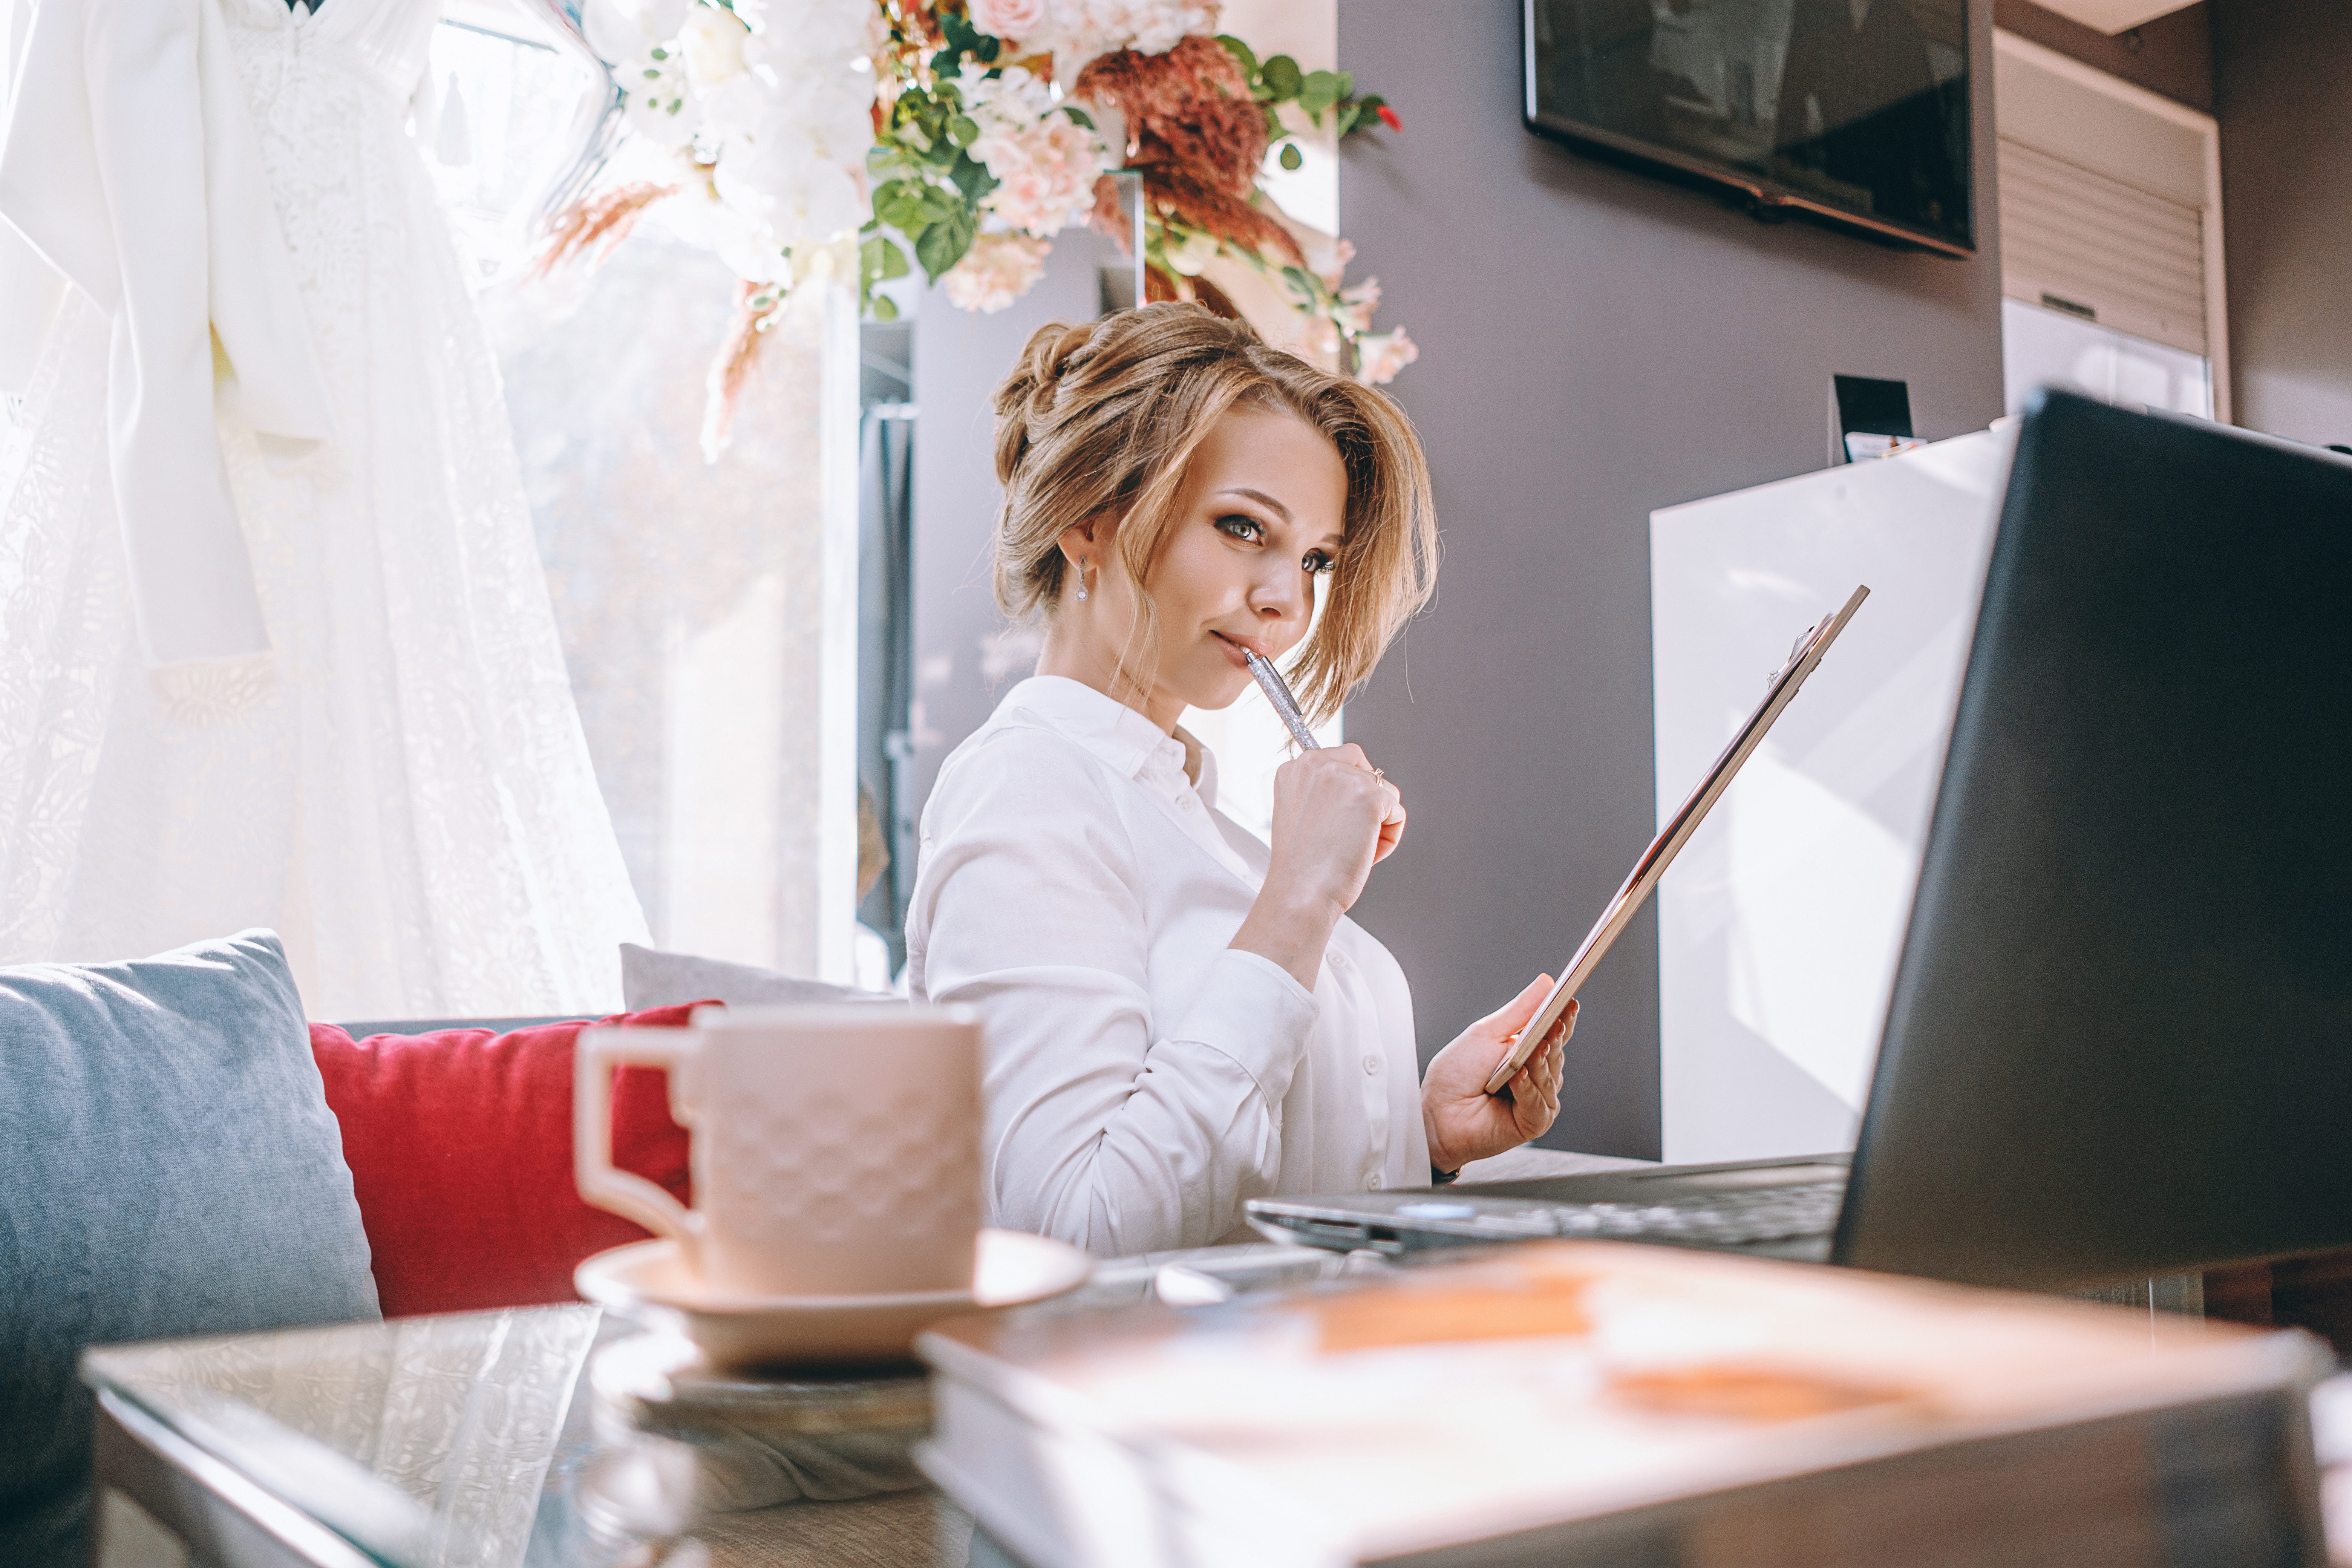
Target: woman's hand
(1463,1120)
(1333,818)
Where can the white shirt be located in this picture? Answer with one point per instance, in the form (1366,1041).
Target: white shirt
(1144,1079)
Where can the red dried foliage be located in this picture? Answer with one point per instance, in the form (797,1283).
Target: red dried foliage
(1109,216)
(730,372)
(597,223)
(1198,137)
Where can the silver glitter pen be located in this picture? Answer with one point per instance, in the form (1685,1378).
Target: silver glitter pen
(1269,680)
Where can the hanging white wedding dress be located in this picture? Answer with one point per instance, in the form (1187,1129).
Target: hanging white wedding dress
(397,781)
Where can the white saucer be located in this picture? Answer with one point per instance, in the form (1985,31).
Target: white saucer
(1014,1268)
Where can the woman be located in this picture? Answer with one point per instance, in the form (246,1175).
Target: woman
(1178,1018)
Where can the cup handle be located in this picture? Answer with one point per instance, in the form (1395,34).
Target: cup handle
(598,1052)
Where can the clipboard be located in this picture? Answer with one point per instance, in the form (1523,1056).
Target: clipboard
(1804,660)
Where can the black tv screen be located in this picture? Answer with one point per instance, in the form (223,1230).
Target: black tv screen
(1854,111)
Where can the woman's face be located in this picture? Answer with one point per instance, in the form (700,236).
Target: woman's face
(1260,514)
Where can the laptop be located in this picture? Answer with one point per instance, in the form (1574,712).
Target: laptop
(2119,1043)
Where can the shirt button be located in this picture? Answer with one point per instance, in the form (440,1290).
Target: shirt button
(1185,802)
(1374,1183)
(1338,959)
(1371,1064)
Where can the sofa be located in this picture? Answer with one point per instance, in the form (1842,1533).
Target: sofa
(182,1153)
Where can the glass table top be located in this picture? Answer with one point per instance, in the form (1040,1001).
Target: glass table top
(512,1439)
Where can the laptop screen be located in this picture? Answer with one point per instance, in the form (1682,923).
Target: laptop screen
(2120,1037)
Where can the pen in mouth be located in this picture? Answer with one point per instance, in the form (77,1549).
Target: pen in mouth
(1270,681)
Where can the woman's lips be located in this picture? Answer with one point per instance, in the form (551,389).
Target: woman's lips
(1235,645)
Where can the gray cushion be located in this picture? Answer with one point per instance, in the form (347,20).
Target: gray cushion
(168,1165)
(651,979)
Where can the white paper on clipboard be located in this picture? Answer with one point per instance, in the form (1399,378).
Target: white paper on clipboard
(1804,660)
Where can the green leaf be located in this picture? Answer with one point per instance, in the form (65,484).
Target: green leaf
(963,130)
(886,309)
(880,260)
(1345,120)
(973,179)
(1078,115)
(942,245)
(1283,78)
(1318,93)
(1243,55)
(899,203)
(1290,158)
(939,205)
(1346,84)
(1274,130)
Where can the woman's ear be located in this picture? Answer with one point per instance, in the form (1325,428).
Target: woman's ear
(1090,538)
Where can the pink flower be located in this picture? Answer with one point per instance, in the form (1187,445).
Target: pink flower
(1379,356)
(1047,172)
(1008,19)
(1390,117)
(998,269)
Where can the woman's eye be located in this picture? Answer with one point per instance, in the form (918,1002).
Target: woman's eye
(1318,562)
(1248,529)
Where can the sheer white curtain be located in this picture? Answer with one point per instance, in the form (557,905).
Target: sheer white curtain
(707,611)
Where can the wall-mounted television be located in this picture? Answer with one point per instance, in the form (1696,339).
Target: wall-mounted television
(1853,112)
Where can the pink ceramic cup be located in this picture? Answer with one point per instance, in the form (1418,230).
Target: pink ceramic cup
(835,1149)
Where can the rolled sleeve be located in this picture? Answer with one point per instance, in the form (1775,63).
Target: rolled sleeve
(1253,1010)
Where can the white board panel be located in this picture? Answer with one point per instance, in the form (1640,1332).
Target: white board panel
(1780,926)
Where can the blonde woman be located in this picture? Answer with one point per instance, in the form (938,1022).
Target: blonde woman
(1181,1017)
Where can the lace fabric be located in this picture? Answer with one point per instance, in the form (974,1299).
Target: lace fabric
(403,791)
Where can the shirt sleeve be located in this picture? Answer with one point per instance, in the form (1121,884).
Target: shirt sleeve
(1107,1127)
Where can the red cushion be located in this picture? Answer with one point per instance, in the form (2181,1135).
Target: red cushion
(460,1148)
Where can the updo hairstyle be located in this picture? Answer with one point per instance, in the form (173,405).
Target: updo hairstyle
(1104,419)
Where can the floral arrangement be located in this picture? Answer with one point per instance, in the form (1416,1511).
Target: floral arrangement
(809,140)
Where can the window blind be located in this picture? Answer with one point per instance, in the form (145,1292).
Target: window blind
(2074,240)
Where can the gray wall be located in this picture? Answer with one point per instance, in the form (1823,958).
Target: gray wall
(1594,344)
(961,665)
(2283,91)
(2172,54)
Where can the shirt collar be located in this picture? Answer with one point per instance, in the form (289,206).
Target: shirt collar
(1120,736)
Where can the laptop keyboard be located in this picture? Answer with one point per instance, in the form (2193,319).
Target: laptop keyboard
(1717,1219)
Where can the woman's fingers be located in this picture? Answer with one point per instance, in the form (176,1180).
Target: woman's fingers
(1535,1093)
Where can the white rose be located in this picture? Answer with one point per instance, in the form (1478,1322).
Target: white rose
(782,180)
(823,32)
(737,109)
(1008,19)
(623,30)
(713,42)
(658,107)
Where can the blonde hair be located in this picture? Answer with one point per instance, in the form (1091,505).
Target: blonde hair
(1104,419)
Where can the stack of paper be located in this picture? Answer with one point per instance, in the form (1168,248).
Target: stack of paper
(1586,1403)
